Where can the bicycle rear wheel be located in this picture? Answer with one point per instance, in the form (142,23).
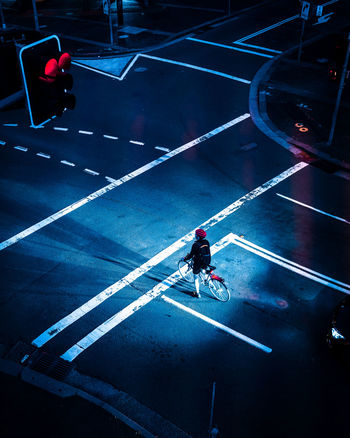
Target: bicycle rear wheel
(186,271)
(219,290)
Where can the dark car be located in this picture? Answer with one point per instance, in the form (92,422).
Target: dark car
(338,336)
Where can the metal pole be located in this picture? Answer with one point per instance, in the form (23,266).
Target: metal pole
(3,24)
(212,410)
(340,91)
(35,12)
(110,23)
(301,39)
(229,7)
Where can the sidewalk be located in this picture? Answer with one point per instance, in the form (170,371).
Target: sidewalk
(295,102)
(45,396)
(29,411)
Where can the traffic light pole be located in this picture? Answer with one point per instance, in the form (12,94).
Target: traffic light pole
(35,12)
(340,92)
(110,23)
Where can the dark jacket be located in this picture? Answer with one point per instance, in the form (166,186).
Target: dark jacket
(200,252)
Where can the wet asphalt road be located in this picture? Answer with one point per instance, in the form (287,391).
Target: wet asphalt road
(165,357)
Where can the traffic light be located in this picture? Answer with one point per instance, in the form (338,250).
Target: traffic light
(46,81)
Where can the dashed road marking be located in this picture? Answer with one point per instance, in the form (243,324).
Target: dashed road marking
(111,137)
(58,128)
(65,322)
(21,148)
(111,180)
(85,132)
(162,149)
(41,154)
(10,124)
(2,142)
(91,172)
(137,142)
(67,163)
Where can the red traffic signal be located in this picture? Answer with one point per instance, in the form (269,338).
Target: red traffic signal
(46,81)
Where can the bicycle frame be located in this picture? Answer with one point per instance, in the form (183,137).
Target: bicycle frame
(212,276)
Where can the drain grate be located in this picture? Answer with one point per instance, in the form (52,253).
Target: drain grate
(40,361)
(50,365)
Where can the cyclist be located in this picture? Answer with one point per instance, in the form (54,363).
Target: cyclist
(200,253)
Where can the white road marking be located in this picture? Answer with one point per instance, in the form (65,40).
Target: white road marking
(195,67)
(112,180)
(137,142)
(111,137)
(85,132)
(91,172)
(2,142)
(292,266)
(224,46)
(126,71)
(132,308)
(162,149)
(258,47)
(217,325)
(113,185)
(57,128)
(158,258)
(67,163)
(312,208)
(266,29)
(41,154)
(10,124)
(20,148)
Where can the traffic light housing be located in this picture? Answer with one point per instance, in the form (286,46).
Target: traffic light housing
(45,79)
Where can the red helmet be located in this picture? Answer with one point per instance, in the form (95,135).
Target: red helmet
(51,69)
(200,233)
(64,61)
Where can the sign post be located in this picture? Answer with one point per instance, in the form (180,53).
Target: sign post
(305,12)
(35,12)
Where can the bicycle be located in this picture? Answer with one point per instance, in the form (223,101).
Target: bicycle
(215,283)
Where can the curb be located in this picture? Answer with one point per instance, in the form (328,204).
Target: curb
(261,118)
(67,389)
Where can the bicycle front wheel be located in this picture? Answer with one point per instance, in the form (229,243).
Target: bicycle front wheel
(186,271)
(219,290)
